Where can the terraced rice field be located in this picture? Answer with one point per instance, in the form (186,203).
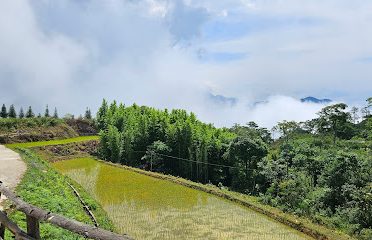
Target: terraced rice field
(149,208)
(52,142)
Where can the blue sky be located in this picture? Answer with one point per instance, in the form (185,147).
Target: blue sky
(181,53)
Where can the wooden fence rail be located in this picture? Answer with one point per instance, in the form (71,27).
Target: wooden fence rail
(34,215)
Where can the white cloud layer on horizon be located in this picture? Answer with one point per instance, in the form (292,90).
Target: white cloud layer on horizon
(265,114)
(71,54)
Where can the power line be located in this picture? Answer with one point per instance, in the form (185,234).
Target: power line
(194,161)
(189,160)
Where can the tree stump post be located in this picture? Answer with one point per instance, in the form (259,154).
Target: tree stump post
(33,227)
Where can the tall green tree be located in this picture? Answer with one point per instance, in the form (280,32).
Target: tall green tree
(342,171)
(12,112)
(333,119)
(252,130)
(88,114)
(3,113)
(55,114)
(21,113)
(366,111)
(102,115)
(30,113)
(46,113)
(155,156)
(114,143)
(369,102)
(244,153)
(286,128)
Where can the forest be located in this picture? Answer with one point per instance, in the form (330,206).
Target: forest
(320,169)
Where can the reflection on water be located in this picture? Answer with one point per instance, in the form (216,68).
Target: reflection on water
(149,208)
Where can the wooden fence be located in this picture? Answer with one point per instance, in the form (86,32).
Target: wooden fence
(34,215)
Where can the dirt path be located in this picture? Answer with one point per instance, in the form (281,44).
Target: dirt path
(11,168)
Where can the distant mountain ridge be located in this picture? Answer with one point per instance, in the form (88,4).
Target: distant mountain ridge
(222,100)
(316,100)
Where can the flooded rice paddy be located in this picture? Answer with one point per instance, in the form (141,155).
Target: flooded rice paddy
(150,208)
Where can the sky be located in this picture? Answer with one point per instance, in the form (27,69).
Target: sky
(229,61)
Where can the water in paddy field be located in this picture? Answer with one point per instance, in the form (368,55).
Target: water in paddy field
(150,208)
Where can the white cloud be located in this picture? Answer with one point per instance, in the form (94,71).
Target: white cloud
(279,108)
(157,8)
(266,113)
(33,63)
(72,54)
(251,5)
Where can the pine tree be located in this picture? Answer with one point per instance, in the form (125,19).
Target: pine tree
(88,114)
(46,114)
(55,115)
(21,113)
(3,112)
(101,115)
(39,115)
(30,113)
(12,112)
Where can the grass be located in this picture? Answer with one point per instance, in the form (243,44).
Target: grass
(51,142)
(153,208)
(46,188)
(302,224)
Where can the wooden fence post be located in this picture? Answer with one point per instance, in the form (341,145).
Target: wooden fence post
(33,227)
(2,231)
(2,227)
(34,214)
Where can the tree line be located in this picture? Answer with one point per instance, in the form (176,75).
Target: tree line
(12,113)
(321,168)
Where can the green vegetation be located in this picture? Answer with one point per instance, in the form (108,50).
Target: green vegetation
(3,113)
(320,169)
(30,113)
(128,132)
(88,114)
(28,128)
(13,130)
(47,189)
(53,142)
(12,112)
(153,208)
(11,124)
(54,153)
(327,182)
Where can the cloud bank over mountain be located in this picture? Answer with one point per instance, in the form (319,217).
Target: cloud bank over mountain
(174,54)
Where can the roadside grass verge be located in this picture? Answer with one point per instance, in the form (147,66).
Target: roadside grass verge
(44,187)
(51,142)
